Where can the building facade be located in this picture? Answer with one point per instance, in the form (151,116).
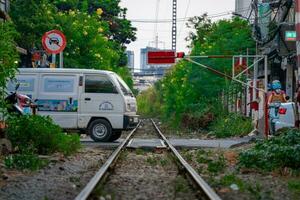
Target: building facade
(243,7)
(130,60)
(4,8)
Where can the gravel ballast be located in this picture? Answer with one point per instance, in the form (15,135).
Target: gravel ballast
(62,179)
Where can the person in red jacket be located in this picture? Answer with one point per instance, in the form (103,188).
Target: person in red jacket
(277,95)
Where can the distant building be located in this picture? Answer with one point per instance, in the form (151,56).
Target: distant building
(130,60)
(151,69)
(243,7)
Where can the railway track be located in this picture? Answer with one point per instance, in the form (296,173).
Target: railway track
(126,169)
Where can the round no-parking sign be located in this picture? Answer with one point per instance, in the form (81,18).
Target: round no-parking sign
(54,41)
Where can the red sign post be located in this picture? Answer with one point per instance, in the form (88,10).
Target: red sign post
(54,42)
(163,57)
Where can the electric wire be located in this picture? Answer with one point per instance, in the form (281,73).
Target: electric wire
(155,34)
(225,13)
(186,12)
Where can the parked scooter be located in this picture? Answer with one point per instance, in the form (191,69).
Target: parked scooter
(19,103)
(281,115)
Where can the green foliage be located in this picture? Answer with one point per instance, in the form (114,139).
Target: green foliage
(8,56)
(39,135)
(94,40)
(24,161)
(229,179)
(181,185)
(214,165)
(152,160)
(231,125)
(87,46)
(32,19)
(148,104)
(294,186)
(276,153)
(190,95)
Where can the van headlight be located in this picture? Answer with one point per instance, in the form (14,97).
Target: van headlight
(130,107)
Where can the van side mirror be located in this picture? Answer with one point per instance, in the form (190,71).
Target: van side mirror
(287,98)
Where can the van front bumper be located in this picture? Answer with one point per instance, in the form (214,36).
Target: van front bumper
(130,122)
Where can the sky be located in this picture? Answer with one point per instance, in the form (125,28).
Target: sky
(146,10)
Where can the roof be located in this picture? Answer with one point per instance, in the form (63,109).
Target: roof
(62,70)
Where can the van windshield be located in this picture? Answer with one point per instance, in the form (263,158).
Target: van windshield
(124,87)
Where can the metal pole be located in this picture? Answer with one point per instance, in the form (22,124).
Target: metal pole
(174,25)
(266,98)
(54,60)
(61,59)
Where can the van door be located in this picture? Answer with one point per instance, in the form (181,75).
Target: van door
(58,98)
(100,98)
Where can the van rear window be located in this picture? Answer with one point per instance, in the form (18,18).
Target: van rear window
(26,84)
(98,84)
(58,84)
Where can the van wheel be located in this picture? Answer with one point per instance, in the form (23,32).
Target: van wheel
(116,135)
(100,130)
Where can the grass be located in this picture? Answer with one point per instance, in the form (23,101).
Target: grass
(231,125)
(230,179)
(180,185)
(25,161)
(164,162)
(139,152)
(294,187)
(152,160)
(215,164)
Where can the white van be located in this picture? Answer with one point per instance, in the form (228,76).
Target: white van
(94,101)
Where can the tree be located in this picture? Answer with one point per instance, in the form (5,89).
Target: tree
(87,46)
(32,19)
(8,56)
(120,31)
(188,88)
(87,27)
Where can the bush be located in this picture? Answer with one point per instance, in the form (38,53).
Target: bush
(275,153)
(24,161)
(231,125)
(201,115)
(40,135)
(148,103)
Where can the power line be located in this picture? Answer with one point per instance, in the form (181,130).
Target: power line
(186,18)
(186,12)
(155,34)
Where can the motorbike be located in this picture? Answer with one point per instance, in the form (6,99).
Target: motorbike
(20,104)
(281,115)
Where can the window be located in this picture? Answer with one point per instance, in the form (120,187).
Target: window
(125,89)
(98,84)
(57,84)
(26,84)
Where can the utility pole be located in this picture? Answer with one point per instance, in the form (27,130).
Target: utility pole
(174,25)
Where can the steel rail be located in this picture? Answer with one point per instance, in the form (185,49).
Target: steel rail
(84,194)
(208,191)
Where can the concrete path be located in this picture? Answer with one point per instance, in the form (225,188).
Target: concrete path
(178,143)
